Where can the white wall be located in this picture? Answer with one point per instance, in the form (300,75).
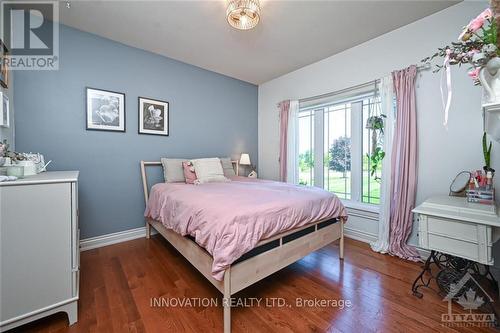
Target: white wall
(442,152)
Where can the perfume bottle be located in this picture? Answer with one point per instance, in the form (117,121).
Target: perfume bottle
(489,180)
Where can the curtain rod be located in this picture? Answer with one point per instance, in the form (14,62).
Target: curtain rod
(425,66)
(338,92)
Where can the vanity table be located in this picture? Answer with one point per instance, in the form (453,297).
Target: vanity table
(460,236)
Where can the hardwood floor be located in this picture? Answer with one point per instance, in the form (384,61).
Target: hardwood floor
(119,281)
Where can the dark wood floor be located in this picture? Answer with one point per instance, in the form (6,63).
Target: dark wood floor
(118,282)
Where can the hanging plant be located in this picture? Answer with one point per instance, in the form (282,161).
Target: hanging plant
(376,158)
(376,124)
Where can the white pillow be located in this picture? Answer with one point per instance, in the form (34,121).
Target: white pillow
(209,170)
(173,171)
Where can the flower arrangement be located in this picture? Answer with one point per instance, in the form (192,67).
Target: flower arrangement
(477,44)
(4,148)
(5,152)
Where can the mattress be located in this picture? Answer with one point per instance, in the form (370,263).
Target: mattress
(229,219)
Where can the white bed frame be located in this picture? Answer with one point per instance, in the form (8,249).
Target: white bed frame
(247,272)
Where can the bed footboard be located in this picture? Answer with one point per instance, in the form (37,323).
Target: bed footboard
(247,272)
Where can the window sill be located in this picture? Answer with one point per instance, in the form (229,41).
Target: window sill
(362,210)
(361,206)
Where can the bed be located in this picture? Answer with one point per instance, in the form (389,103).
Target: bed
(239,232)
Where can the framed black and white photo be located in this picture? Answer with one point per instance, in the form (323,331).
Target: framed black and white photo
(105,110)
(4,69)
(153,116)
(4,110)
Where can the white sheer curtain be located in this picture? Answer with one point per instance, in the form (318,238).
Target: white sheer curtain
(292,147)
(387,106)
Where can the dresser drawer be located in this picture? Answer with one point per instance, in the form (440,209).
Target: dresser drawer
(452,229)
(458,238)
(454,247)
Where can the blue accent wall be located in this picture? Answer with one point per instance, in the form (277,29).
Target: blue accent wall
(210,115)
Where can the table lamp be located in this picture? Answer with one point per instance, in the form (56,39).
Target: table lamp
(245,160)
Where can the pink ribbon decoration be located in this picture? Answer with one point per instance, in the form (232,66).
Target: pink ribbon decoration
(447,104)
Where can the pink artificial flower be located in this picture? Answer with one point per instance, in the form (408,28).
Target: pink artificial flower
(486,14)
(474,73)
(478,22)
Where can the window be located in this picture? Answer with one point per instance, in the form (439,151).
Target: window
(337,155)
(306,148)
(340,145)
(372,144)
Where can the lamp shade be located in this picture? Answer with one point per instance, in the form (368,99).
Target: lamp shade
(245,159)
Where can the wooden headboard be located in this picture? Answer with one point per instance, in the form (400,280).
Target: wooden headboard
(144,176)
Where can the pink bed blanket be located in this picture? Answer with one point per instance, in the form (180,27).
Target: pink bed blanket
(229,219)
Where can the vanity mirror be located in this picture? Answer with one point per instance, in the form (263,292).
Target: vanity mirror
(459,184)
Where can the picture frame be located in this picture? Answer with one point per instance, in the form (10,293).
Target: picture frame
(153,116)
(4,68)
(4,110)
(105,110)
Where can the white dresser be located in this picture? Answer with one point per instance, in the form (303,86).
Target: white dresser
(39,248)
(451,225)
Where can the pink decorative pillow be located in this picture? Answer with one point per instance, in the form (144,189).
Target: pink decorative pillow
(189,173)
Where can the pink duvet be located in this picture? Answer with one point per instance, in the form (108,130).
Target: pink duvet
(229,219)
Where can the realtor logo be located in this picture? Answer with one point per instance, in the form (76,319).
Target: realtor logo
(30,31)
(471,296)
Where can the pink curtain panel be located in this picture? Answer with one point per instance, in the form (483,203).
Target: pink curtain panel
(284,108)
(404,165)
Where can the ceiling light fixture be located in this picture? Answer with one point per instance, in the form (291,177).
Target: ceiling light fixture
(243,14)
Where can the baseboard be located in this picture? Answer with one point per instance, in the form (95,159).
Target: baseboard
(424,253)
(361,236)
(109,239)
(369,238)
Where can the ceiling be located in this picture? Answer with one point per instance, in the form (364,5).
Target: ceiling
(291,34)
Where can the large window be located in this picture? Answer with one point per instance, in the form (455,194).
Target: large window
(340,146)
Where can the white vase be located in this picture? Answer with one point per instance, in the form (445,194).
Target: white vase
(489,76)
